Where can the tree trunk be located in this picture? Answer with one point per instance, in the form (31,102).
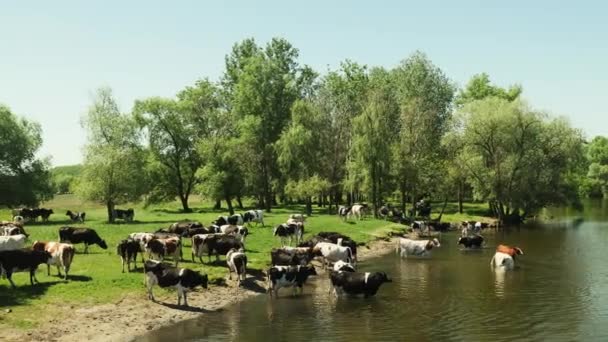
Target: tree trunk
(309,206)
(403,197)
(110,207)
(218,205)
(445,204)
(239,202)
(184,200)
(229,203)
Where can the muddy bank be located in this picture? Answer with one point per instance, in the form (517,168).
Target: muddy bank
(135,315)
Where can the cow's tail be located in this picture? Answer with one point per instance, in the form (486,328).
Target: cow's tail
(350,255)
(67,256)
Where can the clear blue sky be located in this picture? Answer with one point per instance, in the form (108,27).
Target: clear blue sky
(54,54)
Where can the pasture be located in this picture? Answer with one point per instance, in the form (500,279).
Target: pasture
(96,278)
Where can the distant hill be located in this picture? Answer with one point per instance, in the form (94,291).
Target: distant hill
(64,176)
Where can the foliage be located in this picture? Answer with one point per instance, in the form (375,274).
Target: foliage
(518,159)
(595,184)
(114,161)
(480,87)
(64,178)
(24,178)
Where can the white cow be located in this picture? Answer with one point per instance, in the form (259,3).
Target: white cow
(502,261)
(297,218)
(358,211)
(333,253)
(142,239)
(256,216)
(9,243)
(416,247)
(237,263)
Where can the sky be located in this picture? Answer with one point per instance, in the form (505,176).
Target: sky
(55,54)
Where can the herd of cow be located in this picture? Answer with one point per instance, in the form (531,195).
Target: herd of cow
(226,236)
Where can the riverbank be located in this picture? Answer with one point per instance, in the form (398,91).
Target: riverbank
(134,315)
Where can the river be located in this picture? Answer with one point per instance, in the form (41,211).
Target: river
(558,292)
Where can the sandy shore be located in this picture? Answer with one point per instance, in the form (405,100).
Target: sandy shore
(135,315)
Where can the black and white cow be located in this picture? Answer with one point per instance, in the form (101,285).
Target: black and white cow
(288,276)
(237,263)
(128,249)
(180,228)
(355,283)
(218,244)
(125,215)
(234,220)
(87,236)
(291,231)
(343,212)
(471,241)
(256,216)
(384,212)
(76,216)
(164,275)
(342,240)
(20,260)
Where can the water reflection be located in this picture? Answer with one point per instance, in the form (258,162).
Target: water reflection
(558,291)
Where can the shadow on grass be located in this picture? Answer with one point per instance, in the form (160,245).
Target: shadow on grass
(23,293)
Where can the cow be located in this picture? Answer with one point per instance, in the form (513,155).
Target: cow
(195,231)
(158,249)
(87,236)
(358,211)
(164,275)
(331,253)
(12,242)
(11,229)
(383,212)
(256,216)
(20,260)
(477,227)
(218,244)
(237,263)
(125,215)
(340,239)
(297,217)
(471,241)
(128,249)
(288,276)
(416,247)
(142,239)
(502,262)
(512,251)
(291,256)
(291,231)
(313,241)
(18,220)
(26,213)
(43,213)
(76,216)
(235,220)
(180,228)
(62,255)
(343,212)
(355,283)
(341,266)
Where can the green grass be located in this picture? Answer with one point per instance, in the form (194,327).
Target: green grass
(96,278)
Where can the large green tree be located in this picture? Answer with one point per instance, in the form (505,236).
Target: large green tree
(596,182)
(519,159)
(24,178)
(480,87)
(114,164)
(425,97)
(263,84)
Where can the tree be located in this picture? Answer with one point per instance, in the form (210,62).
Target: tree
(425,97)
(113,164)
(24,179)
(302,154)
(595,184)
(518,159)
(264,84)
(373,132)
(342,95)
(480,87)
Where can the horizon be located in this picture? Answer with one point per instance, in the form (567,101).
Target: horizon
(59,54)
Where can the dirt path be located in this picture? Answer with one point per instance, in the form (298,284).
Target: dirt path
(135,315)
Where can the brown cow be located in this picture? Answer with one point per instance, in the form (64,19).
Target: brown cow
(61,255)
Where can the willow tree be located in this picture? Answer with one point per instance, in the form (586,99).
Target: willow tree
(302,152)
(519,159)
(114,160)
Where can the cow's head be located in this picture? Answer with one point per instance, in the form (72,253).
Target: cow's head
(433,243)
(102,244)
(197,279)
(383,278)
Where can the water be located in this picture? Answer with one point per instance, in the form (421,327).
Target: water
(558,292)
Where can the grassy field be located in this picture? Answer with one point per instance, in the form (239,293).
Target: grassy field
(96,278)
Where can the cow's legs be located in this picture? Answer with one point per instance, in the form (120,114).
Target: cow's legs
(9,276)
(48,269)
(86,248)
(122,258)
